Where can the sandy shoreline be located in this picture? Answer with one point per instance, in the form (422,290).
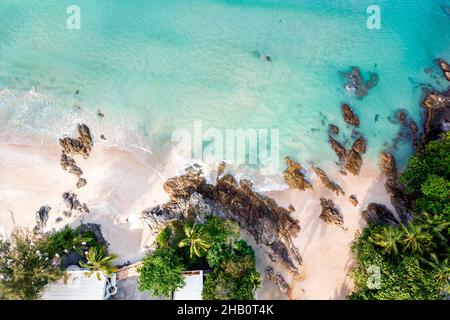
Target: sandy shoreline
(119,187)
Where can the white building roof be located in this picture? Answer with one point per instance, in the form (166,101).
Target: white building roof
(76,286)
(193,287)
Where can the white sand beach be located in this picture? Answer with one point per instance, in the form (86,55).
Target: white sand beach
(119,187)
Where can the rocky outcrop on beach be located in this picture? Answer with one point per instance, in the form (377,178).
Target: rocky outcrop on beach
(356,84)
(445,67)
(282,284)
(270,225)
(42,216)
(270,272)
(437,117)
(81,183)
(379,214)
(351,159)
(353,200)
(73,204)
(349,115)
(330,213)
(78,146)
(68,164)
(294,176)
(353,162)
(333,186)
(96,229)
(396,191)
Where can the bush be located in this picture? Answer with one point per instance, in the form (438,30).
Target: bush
(161,272)
(68,240)
(427,177)
(25,268)
(403,277)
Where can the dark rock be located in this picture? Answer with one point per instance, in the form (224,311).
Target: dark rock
(102,137)
(353,162)
(445,67)
(282,284)
(333,128)
(81,183)
(270,225)
(327,182)
(353,200)
(270,273)
(41,218)
(73,204)
(437,117)
(68,164)
(330,214)
(79,146)
(399,199)
(100,114)
(356,84)
(338,148)
(59,219)
(96,229)
(294,176)
(379,214)
(349,115)
(360,145)
(291,208)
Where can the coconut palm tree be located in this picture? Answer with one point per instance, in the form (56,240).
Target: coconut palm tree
(441,268)
(98,261)
(437,224)
(414,238)
(195,239)
(388,238)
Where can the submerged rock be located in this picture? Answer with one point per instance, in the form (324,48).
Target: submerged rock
(360,145)
(270,225)
(294,177)
(79,146)
(349,115)
(379,214)
(445,67)
(333,128)
(338,148)
(356,84)
(330,214)
(327,182)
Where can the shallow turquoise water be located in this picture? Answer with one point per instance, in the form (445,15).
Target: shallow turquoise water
(156,66)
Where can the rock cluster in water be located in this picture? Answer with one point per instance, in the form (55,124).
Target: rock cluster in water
(349,115)
(356,84)
(445,67)
(192,197)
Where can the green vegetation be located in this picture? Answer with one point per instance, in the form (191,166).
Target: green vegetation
(99,261)
(412,258)
(184,245)
(427,177)
(25,268)
(29,261)
(160,272)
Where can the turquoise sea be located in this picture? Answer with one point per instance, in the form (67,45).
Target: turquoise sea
(159,65)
